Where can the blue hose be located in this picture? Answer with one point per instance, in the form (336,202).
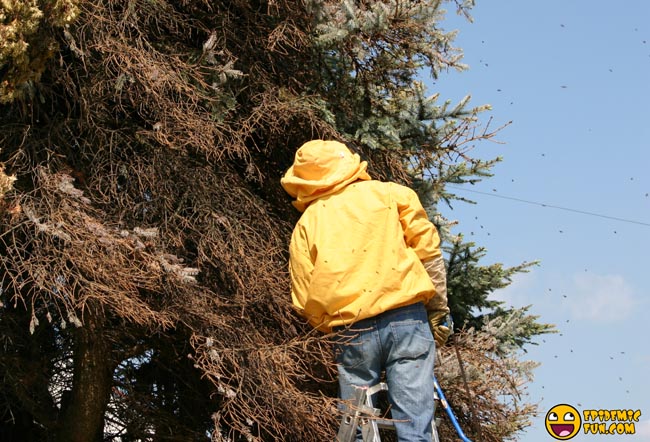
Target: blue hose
(450,413)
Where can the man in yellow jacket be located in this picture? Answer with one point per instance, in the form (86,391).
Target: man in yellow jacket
(365,260)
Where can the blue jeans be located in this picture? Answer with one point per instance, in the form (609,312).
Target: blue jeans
(400,342)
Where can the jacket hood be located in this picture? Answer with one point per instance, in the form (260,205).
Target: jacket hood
(321,168)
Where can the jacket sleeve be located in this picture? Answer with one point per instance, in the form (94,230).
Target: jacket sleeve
(419,233)
(422,236)
(300,269)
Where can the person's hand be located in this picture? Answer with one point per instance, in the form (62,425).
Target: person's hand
(440,324)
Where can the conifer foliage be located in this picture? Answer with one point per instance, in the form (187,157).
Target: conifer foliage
(143,230)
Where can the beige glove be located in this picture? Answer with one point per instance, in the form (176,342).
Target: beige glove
(439,329)
(437,309)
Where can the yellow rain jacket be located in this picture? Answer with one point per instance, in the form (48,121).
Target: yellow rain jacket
(358,248)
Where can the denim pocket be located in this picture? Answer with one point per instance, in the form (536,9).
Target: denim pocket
(353,352)
(412,339)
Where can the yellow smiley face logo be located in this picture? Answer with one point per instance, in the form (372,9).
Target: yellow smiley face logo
(563,422)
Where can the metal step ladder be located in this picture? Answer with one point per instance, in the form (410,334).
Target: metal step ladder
(361,413)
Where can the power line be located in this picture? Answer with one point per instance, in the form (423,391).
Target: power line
(552,206)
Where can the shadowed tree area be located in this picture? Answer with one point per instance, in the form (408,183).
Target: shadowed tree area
(144,232)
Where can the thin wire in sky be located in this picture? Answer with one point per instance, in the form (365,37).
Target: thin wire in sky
(552,206)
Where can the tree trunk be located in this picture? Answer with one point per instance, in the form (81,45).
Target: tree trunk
(83,415)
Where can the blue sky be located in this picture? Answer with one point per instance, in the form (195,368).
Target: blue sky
(573,76)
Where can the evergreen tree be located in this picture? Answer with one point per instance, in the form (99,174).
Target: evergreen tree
(143,230)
